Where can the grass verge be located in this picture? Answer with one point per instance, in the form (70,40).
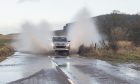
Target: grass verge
(125,53)
(5,51)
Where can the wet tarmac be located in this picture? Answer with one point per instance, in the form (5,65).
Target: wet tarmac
(48,76)
(29,69)
(91,71)
(37,69)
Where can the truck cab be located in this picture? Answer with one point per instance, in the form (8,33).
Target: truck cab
(61,45)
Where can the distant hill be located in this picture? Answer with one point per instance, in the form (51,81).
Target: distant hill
(6,37)
(129,24)
(117,26)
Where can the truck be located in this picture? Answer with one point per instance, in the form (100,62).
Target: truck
(61,45)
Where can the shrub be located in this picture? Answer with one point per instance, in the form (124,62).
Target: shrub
(5,51)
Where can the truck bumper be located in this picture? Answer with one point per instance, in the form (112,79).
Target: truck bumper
(61,49)
(64,52)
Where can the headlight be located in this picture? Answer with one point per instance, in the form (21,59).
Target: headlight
(52,44)
(68,45)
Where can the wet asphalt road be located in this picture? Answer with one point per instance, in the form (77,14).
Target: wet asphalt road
(90,71)
(37,69)
(30,69)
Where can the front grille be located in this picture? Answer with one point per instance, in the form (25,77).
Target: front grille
(60,46)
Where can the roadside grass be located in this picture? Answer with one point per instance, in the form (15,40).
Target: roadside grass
(5,49)
(2,58)
(121,58)
(126,53)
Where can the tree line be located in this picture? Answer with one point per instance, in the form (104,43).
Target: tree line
(119,26)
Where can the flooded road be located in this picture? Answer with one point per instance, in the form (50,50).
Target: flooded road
(91,71)
(37,69)
(29,69)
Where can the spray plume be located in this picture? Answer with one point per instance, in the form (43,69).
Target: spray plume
(83,31)
(34,38)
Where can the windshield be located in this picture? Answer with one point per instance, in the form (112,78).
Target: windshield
(60,39)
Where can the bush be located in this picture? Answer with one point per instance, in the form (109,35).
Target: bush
(5,51)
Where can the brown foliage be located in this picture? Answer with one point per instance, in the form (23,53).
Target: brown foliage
(6,50)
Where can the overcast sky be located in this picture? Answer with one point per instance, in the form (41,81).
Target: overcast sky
(15,12)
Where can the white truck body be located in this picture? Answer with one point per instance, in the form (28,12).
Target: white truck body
(61,45)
